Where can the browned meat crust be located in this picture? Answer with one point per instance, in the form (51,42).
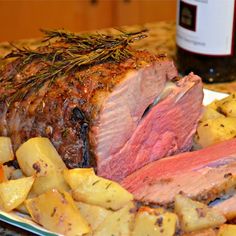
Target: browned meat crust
(62,110)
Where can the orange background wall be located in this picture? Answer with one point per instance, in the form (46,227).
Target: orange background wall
(22,18)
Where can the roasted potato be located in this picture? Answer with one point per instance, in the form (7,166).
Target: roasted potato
(92,189)
(94,215)
(156,222)
(204,232)
(14,192)
(213,104)
(215,130)
(22,209)
(210,113)
(38,156)
(218,122)
(6,152)
(227,106)
(56,211)
(53,179)
(227,230)
(118,223)
(71,176)
(195,216)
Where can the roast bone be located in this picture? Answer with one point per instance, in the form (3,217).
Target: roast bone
(116,117)
(203,175)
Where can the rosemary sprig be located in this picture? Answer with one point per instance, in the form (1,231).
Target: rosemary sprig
(71,52)
(92,40)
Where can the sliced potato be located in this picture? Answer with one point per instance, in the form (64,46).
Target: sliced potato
(218,122)
(92,189)
(227,106)
(71,176)
(56,211)
(94,215)
(14,192)
(195,215)
(38,156)
(156,222)
(227,230)
(22,209)
(210,113)
(204,232)
(118,223)
(53,179)
(6,152)
(215,130)
(213,104)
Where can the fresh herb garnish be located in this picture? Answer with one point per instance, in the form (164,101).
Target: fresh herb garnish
(66,53)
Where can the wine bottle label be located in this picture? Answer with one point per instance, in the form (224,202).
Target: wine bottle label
(206,26)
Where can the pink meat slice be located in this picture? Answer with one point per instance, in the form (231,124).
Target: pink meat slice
(202,175)
(165,130)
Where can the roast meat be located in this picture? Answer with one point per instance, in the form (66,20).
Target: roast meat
(203,175)
(114,116)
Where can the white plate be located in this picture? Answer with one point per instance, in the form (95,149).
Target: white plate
(210,96)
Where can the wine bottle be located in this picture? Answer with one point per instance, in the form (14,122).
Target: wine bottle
(206,39)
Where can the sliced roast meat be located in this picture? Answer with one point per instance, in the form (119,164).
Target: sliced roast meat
(166,129)
(203,175)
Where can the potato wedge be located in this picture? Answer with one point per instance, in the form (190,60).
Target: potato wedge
(213,104)
(156,222)
(215,130)
(94,215)
(92,189)
(71,176)
(56,211)
(14,192)
(195,215)
(210,113)
(22,209)
(227,230)
(38,156)
(53,179)
(6,152)
(227,106)
(118,223)
(204,232)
